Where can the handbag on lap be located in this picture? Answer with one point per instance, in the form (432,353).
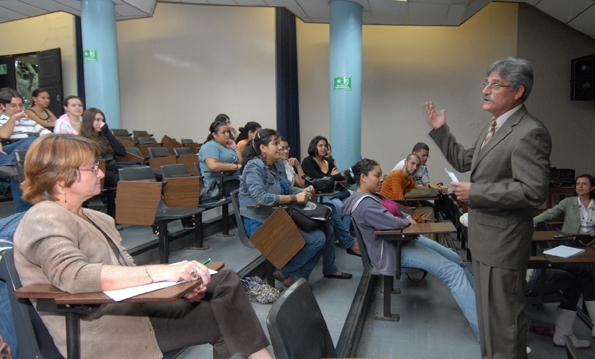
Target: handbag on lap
(309,216)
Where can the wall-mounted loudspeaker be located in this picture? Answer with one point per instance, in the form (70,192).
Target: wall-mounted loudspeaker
(583,78)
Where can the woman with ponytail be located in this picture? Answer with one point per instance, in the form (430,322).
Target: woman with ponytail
(246,135)
(371,211)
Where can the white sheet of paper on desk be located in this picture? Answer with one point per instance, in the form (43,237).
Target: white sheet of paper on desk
(125,293)
(564,251)
(452,176)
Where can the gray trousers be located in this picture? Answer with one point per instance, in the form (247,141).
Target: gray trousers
(224,318)
(500,301)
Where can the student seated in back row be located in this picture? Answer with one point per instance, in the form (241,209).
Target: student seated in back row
(399,182)
(371,211)
(15,125)
(421,176)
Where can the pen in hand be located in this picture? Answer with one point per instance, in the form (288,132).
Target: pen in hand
(207,261)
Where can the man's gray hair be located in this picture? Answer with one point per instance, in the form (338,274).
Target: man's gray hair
(516,71)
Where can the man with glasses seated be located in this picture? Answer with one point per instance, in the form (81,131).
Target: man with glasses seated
(15,125)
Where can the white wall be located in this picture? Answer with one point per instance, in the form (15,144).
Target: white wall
(188,63)
(402,68)
(41,33)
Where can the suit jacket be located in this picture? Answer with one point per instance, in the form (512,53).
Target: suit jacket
(509,177)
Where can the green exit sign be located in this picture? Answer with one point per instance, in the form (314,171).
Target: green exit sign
(90,55)
(342,83)
(3,69)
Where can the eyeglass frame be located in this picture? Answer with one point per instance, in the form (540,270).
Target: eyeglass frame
(494,86)
(94,169)
(285,149)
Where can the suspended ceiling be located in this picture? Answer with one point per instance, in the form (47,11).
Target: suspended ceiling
(578,14)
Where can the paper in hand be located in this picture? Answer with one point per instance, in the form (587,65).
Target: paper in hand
(452,176)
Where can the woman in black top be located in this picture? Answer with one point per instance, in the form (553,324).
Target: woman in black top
(317,165)
(95,129)
(39,112)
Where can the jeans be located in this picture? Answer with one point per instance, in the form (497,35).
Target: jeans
(447,265)
(341,224)
(7,330)
(8,226)
(8,158)
(318,243)
(20,205)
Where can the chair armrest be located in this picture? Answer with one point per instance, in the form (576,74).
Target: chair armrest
(131,157)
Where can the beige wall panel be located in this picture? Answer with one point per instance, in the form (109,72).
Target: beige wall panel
(188,63)
(550,46)
(41,33)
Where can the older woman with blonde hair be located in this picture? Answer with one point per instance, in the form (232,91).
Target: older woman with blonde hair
(79,250)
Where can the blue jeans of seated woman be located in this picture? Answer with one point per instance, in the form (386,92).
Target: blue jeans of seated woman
(8,226)
(447,265)
(341,224)
(318,243)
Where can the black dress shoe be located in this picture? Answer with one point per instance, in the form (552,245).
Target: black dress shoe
(339,276)
(350,251)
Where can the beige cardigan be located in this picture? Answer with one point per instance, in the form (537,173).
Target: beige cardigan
(54,246)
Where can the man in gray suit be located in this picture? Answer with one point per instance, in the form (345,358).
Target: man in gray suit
(509,166)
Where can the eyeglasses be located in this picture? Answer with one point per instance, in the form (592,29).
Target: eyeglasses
(95,168)
(283,149)
(494,86)
(15,105)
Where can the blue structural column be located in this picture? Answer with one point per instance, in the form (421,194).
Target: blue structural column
(100,52)
(345,82)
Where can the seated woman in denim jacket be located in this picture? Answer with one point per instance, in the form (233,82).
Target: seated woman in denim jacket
(265,183)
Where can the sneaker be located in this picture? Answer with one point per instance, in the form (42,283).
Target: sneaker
(9,171)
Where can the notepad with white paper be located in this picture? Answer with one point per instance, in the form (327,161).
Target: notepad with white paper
(125,293)
(564,251)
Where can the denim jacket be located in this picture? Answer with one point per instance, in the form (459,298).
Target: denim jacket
(261,186)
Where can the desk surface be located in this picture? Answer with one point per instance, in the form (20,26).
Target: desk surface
(47,291)
(416,199)
(539,236)
(586,257)
(422,228)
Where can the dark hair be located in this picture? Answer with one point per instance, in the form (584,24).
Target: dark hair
(88,119)
(420,146)
(7,95)
(263,137)
(214,128)
(354,173)
(65,103)
(250,126)
(36,93)
(283,139)
(312,150)
(516,71)
(412,155)
(221,117)
(591,179)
